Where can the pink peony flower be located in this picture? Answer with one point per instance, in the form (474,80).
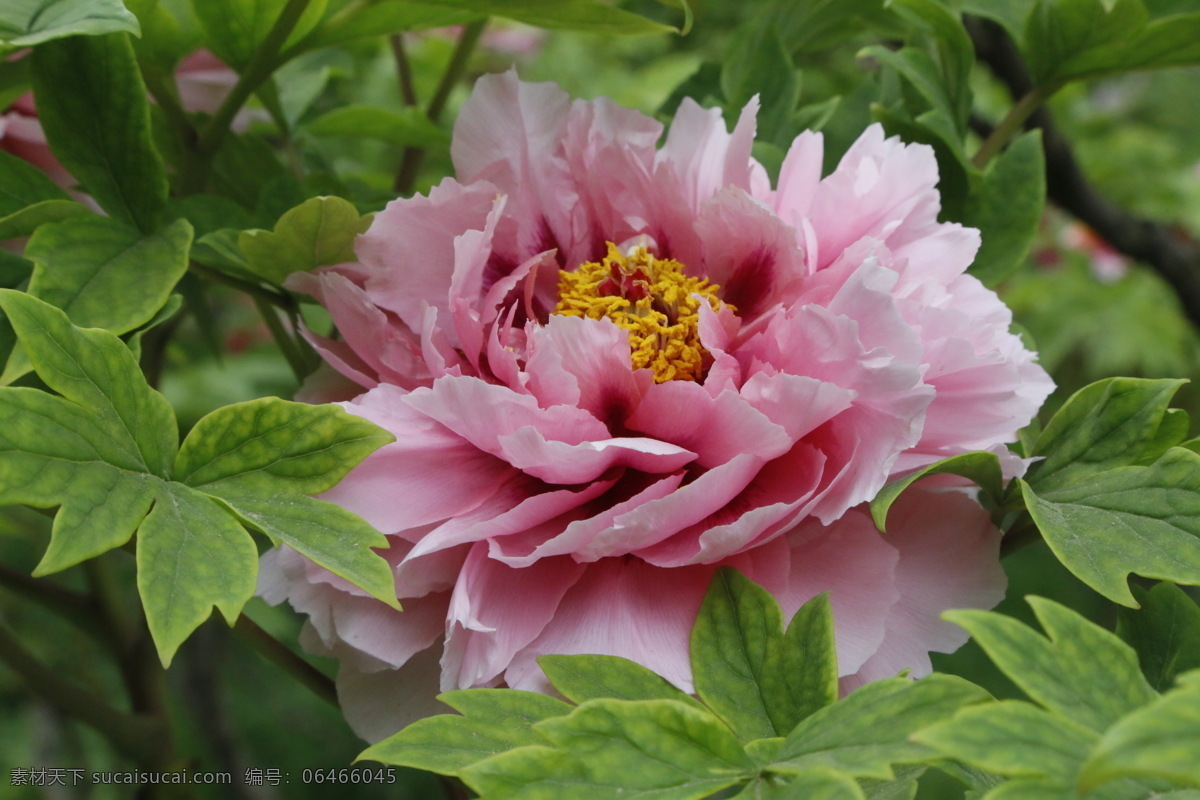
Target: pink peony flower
(21,135)
(612,367)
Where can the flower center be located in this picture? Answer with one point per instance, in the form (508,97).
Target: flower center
(649,297)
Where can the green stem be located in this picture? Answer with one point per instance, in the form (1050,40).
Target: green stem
(287,343)
(255,291)
(70,605)
(410,162)
(266,60)
(1011,125)
(282,656)
(140,737)
(403,70)
(1020,536)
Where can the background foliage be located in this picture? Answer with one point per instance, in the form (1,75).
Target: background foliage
(109,661)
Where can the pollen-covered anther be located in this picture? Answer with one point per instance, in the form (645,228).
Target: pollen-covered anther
(651,298)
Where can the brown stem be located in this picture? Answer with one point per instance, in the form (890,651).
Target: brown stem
(1166,249)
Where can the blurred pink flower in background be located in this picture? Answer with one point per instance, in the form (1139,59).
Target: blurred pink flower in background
(21,135)
(612,367)
(203,81)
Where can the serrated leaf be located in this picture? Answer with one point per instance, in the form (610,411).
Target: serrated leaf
(319,231)
(103,451)
(1012,737)
(1165,633)
(1104,425)
(494,721)
(1159,741)
(1080,671)
(92,105)
(24,23)
(813,784)
(409,127)
(1144,520)
(1006,206)
(737,657)
(867,732)
(591,677)
(105,275)
(188,534)
(274,445)
(618,748)
(981,468)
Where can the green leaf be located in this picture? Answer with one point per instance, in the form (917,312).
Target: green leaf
(813,784)
(235,28)
(1009,13)
(264,456)
(104,452)
(865,733)
(737,657)
(579,15)
(1130,519)
(24,23)
(273,445)
(1159,741)
(1107,424)
(981,467)
(1006,207)
(409,127)
(619,748)
(29,219)
(1012,737)
(810,667)
(1080,671)
(591,677)
(22,185)
(319,231)
(92,105)
(105,275)
(1074,39)
(758,64)
(494,721)
(192,555)
(1061,36)
(370,20)
(1165,632)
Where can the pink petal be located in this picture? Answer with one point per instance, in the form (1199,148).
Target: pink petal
(585,362)
(851,561)
(717,429)
(378,703)
(428,474)
(483,413)
(621,607)
(408,253)
(561,463)
(749,252)
(949,558)
(799,177)
(496,611)
(878,187)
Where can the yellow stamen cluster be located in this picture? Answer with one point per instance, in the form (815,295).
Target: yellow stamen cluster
(649,297)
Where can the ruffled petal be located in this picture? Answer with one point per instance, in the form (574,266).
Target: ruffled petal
(949,558)
(495,611)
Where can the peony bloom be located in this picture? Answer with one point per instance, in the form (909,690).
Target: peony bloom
(612,367)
